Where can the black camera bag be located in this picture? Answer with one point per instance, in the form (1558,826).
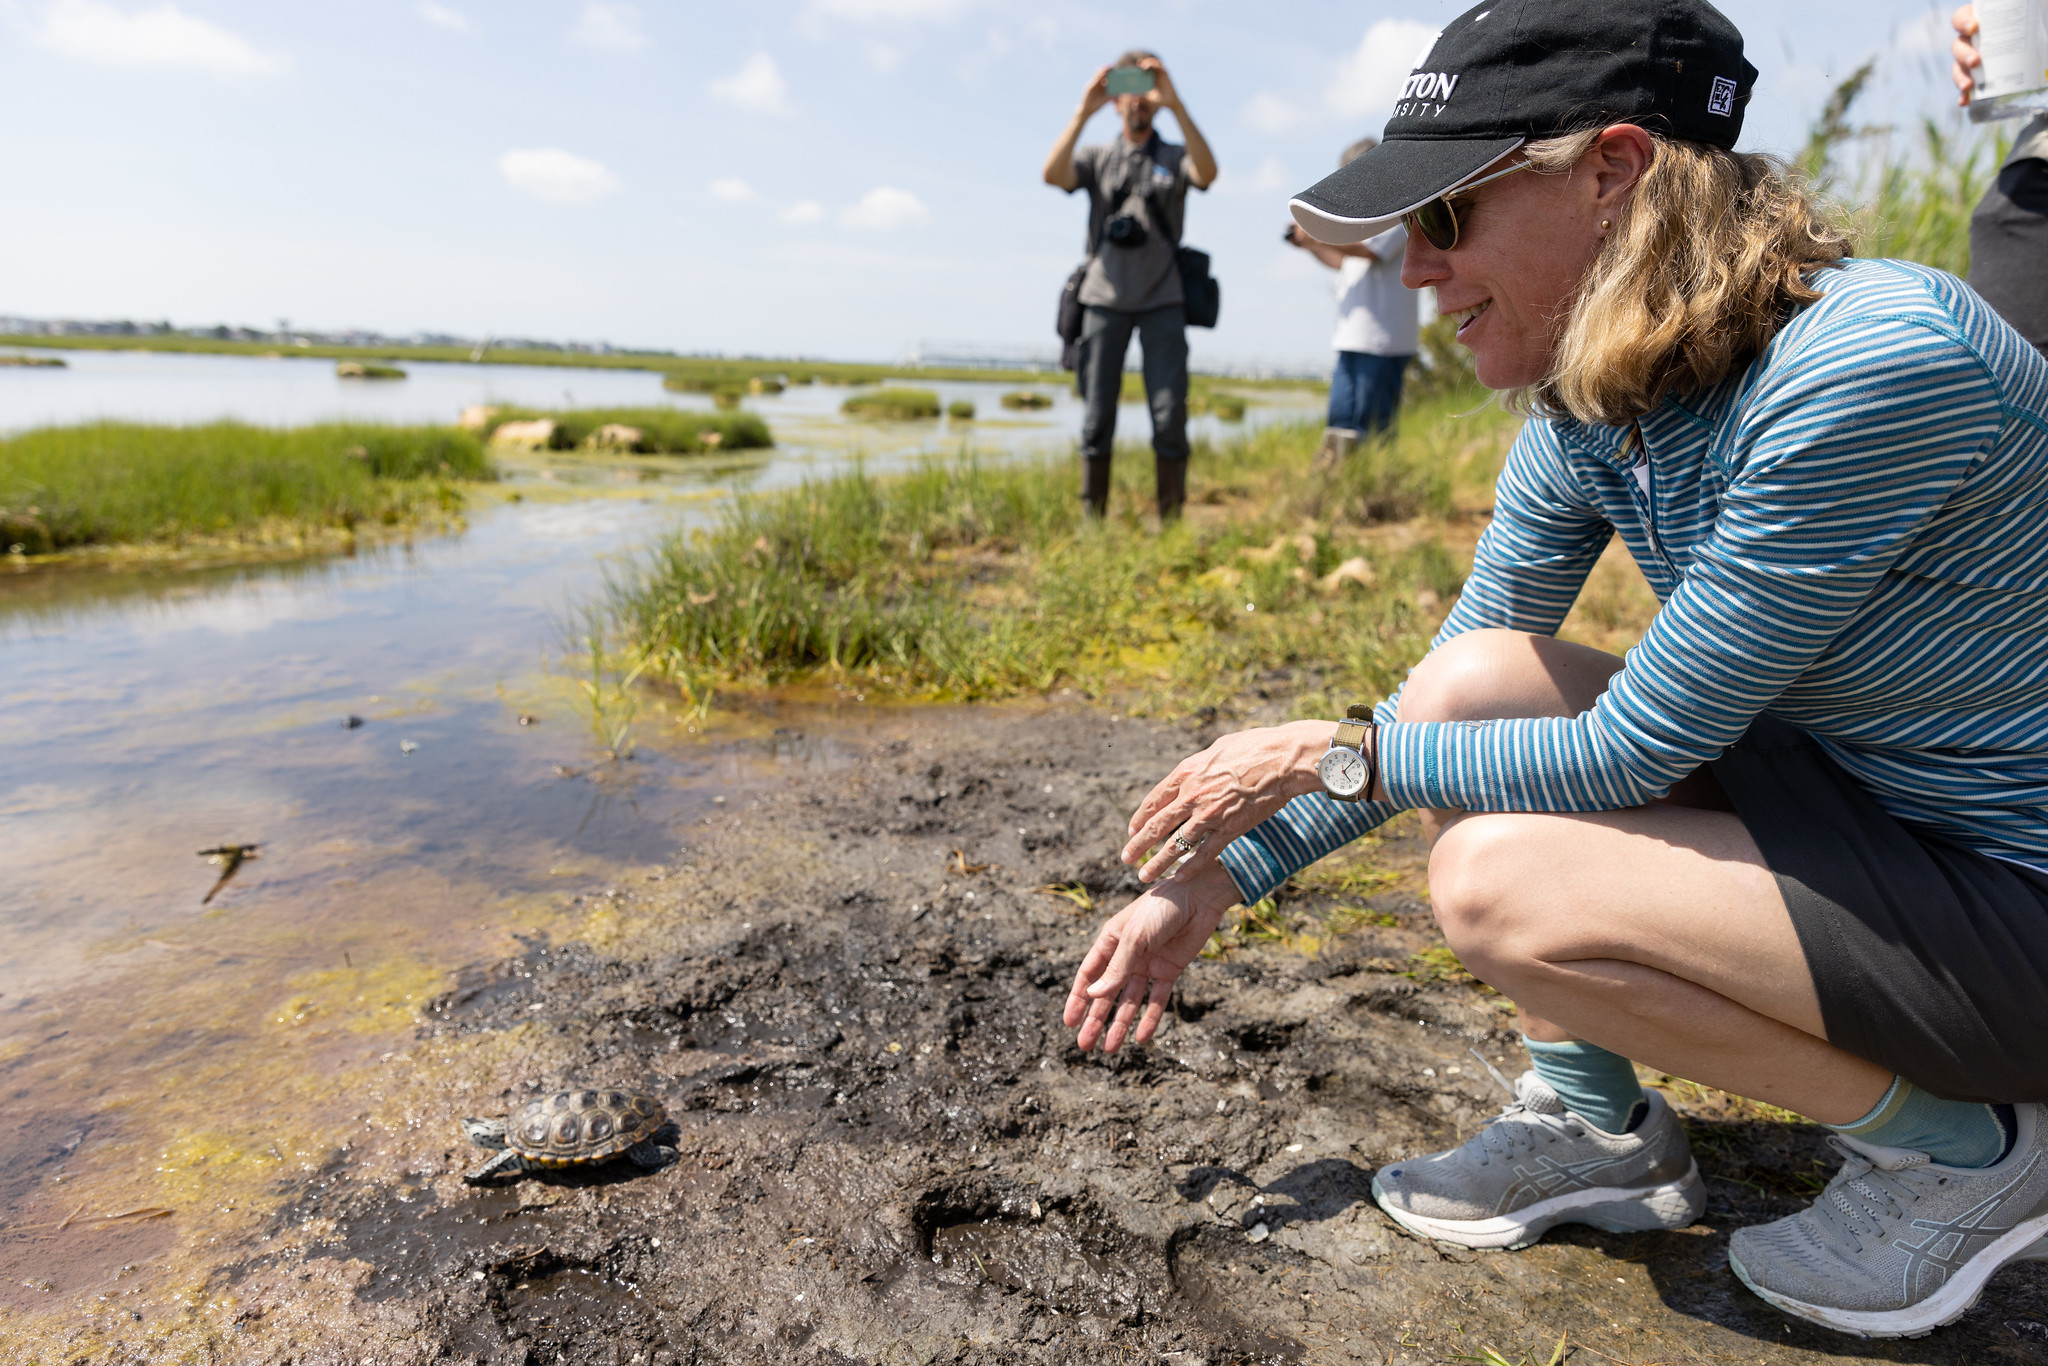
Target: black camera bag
(1070,318)
(1201,296)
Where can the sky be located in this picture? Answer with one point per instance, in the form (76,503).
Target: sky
(823,178)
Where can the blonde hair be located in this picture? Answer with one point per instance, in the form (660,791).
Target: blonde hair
(1706,260)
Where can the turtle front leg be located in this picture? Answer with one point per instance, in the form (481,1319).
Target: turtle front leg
(505,1162)
(650,1155)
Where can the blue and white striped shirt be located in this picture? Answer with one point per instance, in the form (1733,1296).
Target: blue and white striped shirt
(1851,533)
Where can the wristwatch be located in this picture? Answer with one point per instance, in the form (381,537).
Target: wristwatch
(1346,772)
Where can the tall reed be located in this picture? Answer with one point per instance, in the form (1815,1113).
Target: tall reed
(1907,198)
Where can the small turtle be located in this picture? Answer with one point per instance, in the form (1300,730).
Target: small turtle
(572,1128)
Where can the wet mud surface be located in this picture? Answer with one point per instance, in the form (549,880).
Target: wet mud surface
(846,990)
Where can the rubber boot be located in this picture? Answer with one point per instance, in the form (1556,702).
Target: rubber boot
(1173,488)
(1337,443)
(1095,487)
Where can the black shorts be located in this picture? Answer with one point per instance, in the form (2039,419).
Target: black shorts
(1930,959)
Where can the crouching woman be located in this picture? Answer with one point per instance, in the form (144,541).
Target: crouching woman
(1794,846)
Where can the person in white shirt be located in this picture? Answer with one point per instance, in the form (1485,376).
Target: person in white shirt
(1376,325)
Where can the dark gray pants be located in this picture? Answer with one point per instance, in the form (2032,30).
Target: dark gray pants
(1099,374)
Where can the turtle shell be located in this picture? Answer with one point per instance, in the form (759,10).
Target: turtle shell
(584,1125)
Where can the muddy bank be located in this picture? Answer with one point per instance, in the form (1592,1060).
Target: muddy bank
(848,994)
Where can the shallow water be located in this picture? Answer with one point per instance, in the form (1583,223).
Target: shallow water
(164,1054)
(150,386)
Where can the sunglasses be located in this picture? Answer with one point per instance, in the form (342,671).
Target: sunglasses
(1437,222)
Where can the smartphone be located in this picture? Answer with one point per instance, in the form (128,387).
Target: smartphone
(1129,80)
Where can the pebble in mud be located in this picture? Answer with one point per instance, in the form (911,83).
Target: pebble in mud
(1000,1198)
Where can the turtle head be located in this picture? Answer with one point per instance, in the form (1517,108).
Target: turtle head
(485,1133)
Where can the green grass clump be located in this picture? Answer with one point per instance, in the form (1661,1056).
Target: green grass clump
(363,369)
(124,482)
(960,410)
(662,431)
(967,578)
(896,404)
(1026,398)
(1229,407)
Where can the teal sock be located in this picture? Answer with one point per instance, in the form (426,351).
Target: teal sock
(1955,1133)
(1598,1086)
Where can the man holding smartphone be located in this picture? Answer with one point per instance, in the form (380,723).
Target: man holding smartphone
(1137,197)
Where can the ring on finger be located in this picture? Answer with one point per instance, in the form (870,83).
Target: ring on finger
(1181,843)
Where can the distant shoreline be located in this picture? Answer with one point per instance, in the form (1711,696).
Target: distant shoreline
(698,367)
(657,362)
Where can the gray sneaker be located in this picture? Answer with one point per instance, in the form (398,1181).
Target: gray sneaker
(1536,1165)
(1898,1245)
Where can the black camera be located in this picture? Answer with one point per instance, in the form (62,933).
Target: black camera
(1124,230)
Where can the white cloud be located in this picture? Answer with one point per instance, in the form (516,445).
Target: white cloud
(610,26)
(164,36)
(1271,114)
(1271,177)
(732,191)
(803,211)
(1370,77)
(885,11)
(880,56)
(442,15)
(757,85)
(883,208)
(555,175)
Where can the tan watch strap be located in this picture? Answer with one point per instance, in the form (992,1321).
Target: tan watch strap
(1351,735)
(1351,732)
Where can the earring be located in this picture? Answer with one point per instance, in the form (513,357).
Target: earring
(1605,225)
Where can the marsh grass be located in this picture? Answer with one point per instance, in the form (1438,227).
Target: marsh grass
(894,404)
(1229,407)
(1909,198)
(972,578)
(119,482)
(663,431)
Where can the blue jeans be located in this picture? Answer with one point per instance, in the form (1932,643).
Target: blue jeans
(1365,391)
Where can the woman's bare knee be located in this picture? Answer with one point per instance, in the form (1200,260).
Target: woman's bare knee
(1489,674)
(1474,873)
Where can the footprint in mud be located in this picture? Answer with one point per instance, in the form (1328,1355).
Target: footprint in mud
(1059,1261)
(1072,1260)
(557,1308)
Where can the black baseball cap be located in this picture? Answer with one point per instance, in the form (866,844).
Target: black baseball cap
(1504,73)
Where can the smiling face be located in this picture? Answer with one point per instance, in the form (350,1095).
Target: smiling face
(1524,244)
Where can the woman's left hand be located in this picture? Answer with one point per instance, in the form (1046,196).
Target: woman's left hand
(1213,797)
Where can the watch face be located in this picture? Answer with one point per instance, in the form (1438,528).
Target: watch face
(1343,771)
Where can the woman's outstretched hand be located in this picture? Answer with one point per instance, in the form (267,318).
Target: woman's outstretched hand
(1133,963)
(1213,797)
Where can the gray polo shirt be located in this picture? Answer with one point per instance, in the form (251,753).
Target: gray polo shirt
(1117,176)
